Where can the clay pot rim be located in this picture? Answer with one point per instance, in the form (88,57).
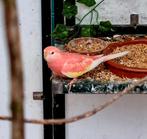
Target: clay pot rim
(67,46)
(115,65)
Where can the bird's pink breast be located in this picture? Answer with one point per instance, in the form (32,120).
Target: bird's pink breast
(56,67)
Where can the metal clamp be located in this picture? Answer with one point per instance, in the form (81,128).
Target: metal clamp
(38,96)
(134,19)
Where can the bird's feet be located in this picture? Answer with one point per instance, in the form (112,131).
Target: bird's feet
(52,76)
(70,85)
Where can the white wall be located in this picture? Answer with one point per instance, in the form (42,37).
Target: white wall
(117,11)
(30,26)
(124,119)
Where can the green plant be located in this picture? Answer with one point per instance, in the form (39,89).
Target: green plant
(65,33)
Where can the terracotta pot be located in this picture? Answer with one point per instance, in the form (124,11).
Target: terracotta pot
(87,45)
(121,70)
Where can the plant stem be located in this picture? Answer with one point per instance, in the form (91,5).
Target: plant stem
(13,38)
(91,17)
(90,11)
(97,16)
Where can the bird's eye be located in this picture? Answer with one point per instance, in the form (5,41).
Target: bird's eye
(52,53)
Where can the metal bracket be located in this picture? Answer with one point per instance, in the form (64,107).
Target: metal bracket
(134,19)
(57,86)
(38,96)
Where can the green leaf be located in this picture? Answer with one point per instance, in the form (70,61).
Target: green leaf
(105,26)
(69,10)
(87,31)
(60,32)
(88,3)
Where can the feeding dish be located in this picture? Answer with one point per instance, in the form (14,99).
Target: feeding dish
(124,70)
(86,45)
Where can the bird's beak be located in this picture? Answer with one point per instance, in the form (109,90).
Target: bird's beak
(45,54)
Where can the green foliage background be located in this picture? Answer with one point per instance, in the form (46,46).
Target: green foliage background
(65,33)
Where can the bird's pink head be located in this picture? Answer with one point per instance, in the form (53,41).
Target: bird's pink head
(51,53)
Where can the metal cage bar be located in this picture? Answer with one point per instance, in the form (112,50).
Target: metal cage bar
(53,105)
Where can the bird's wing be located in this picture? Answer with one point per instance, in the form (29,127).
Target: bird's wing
(76,67)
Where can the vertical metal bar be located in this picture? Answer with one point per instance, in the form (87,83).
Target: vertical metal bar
(52,19)
(54,106)
(59,100)
(46,40)
(52,43)
(59,112)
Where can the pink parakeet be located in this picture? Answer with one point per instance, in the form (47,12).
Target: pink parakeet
(73,65)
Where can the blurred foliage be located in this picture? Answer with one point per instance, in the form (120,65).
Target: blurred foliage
(69,10)
(105,26)
(61,32)
(87,30)
(88,3)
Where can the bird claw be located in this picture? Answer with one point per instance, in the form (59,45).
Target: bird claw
(52,76)
(70,85)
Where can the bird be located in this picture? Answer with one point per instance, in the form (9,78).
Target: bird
(74,65)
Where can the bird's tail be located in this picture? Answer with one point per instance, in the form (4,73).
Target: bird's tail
(106,58)
(113,56)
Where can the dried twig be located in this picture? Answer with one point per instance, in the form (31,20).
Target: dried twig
(12,33)
(84,115)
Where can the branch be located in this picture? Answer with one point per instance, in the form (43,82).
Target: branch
(12,34)
(84,115)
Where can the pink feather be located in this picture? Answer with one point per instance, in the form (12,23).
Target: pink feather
(73,65)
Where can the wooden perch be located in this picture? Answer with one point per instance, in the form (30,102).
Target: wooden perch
(84,115)
(13,39)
